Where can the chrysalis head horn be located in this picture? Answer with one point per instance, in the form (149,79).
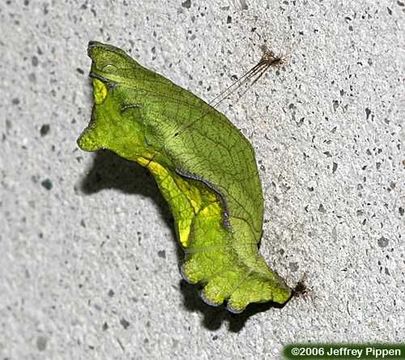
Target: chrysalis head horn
(110,63)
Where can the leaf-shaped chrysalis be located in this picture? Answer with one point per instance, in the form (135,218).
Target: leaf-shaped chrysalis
(204,167)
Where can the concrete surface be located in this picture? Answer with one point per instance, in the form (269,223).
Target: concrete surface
(89,263)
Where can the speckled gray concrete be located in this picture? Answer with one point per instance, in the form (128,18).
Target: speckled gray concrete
(89,262)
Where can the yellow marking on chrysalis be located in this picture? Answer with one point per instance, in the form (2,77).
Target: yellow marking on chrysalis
(99,91)
(187,198)
(182,212)
(193,193)
(157,169)
(143,161)
(213,210)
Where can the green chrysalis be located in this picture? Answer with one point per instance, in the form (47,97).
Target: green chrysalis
(204,167)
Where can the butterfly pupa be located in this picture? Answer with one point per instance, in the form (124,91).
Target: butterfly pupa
(204,167)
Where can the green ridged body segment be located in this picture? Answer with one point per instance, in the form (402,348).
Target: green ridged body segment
(204,167)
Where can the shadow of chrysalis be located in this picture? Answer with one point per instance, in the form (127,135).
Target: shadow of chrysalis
(109,171)
(214,317)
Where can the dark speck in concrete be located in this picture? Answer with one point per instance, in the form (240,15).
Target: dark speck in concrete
(334,167)
(9,125)
(401,211)
(162,254)
(293,266)
(15,101)
(41,343)
(322,209)
(228,20)
(80,71)
(47,184)
(335,104)
(32,77)
(105,326)
(215,337)
(392,186)
(34,61)
(111,293)
(186,4)
(44,129)
(124,323)
(382,242)
(368,112)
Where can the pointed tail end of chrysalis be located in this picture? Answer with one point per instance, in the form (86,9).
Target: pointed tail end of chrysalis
(278,294)
(282,294)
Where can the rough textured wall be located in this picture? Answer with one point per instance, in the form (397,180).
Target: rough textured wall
(89,262)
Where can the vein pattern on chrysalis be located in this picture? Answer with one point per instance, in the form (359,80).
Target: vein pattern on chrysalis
(204,167)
